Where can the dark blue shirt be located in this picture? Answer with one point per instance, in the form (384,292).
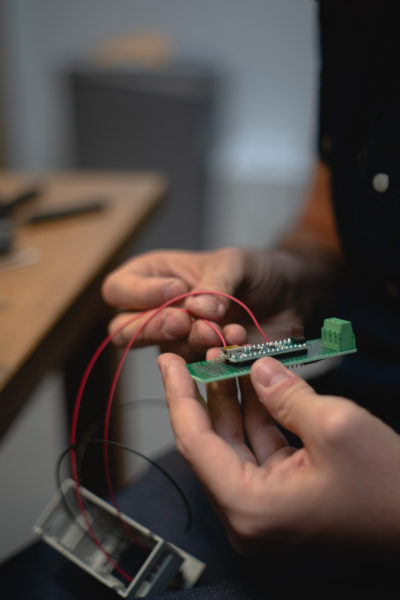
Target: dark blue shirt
(359,138)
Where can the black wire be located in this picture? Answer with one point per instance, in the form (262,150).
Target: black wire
(97,425)
(59,484)
(87,442)
(89,434)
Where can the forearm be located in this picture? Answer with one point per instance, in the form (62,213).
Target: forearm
(312,279)
(309,256)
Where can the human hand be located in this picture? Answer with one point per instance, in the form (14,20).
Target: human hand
(149,280)
(342,486)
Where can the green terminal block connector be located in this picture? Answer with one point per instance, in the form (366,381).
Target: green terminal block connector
(337,335)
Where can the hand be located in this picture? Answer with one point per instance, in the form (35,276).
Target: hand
(151,279)
(342,486)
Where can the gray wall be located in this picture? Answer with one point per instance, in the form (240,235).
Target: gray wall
(264,147)
(265,47)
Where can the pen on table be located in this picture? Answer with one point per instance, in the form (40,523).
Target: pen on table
(7,225)
(65,212)
(8,207)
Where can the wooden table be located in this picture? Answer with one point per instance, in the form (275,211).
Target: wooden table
(51,311)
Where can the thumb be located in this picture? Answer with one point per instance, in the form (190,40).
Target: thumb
(223,272)
(289,399)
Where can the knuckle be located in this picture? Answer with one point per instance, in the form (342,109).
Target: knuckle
(117,330)
(108,287)
(228,251)
(339,421)
(195,340)
(247,530)
(182,448)
(230,255)
(244,526)
(249,516)
(286,393)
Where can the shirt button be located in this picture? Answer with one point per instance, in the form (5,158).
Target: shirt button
(380,182)
(326,144)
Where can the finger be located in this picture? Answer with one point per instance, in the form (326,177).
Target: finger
(126,288)
(235,334)
(205,334)
(180,391)
(226,413)
(264,436)
(223,273)
(287,397)
(202,336)
(279,459)
(169,325)
(218,466)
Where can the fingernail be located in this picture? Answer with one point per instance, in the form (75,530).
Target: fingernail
(163,365)
(267,372)
(209,304)
(174,289)
(173,325)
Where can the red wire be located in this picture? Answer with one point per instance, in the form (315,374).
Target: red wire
(74,467)
(74,424)
(216,330)
(146,322)
(122,360)
(213,327)
(111,397)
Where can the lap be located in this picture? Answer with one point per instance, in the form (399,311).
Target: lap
(39,572)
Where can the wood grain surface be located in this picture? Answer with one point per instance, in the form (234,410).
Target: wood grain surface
(74,254)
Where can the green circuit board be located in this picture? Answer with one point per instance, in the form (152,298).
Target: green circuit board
(337,340)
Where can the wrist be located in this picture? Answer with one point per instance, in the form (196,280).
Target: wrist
(311,278)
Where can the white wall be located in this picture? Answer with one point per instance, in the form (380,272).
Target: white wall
(27,464)
(266,49)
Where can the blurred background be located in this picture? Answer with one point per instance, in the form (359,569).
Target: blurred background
(221,96)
